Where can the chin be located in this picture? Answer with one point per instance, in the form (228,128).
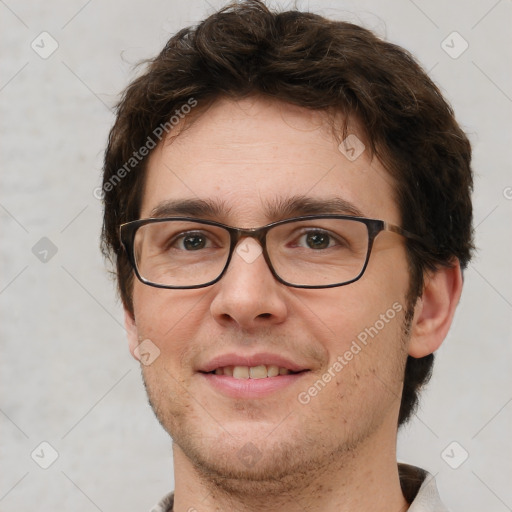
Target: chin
(241,467)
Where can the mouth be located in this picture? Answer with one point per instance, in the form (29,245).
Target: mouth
(261,371)
(254,376)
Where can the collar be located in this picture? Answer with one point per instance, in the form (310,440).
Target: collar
(419,489)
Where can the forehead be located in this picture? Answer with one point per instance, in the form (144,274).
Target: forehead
(248,156)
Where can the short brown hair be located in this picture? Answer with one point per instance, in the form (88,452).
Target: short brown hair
(316,63)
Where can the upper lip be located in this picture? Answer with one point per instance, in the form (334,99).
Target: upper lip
(262,358)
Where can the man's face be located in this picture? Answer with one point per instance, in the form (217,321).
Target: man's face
(244,156)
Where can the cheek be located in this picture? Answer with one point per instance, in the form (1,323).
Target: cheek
(363,377)
(346,313)
(361,328)
(169,318)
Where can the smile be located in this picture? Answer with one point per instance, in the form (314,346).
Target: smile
(261,371)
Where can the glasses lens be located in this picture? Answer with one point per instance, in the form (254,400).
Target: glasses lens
(318,252)
(180,253)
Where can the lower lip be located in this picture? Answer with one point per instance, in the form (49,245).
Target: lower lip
(251,388)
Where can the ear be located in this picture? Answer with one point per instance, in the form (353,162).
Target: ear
(131,332)
(434,310)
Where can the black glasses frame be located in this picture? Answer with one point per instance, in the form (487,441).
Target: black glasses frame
(128,230)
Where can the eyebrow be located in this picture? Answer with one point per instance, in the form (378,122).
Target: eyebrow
(302,205)
(276,209)
(203,208)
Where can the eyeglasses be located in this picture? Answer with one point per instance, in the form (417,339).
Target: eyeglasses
(317,251)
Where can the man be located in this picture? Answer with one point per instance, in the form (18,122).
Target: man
(287,202)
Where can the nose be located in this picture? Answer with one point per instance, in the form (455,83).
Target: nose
(248,295)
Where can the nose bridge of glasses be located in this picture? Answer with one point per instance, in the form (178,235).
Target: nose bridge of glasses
(258,234)
(249,252)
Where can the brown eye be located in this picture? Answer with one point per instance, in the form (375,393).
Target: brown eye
(317,240)
(191,242)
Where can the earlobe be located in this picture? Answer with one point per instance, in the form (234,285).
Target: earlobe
(131,332)
(435,309)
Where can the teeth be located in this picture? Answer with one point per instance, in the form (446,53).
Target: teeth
(241,372)
(258,372)
(252,372)
(273,371)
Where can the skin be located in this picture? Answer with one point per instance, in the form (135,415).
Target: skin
(338,452)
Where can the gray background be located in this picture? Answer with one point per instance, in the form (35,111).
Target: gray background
(66,375)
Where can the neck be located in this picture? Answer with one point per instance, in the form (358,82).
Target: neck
(365,478)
